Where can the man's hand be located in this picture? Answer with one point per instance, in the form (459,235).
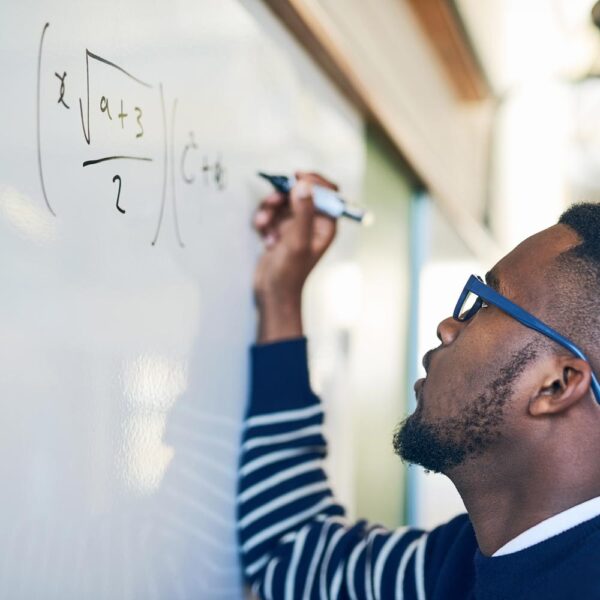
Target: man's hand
(295,238)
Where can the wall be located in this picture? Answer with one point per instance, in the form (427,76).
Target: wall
(378,368)
(444,138)
(442,264)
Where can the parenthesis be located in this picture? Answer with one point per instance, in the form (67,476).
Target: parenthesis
(39,143)
(164,186)
(173,190)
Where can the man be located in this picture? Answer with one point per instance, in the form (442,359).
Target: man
(509,411)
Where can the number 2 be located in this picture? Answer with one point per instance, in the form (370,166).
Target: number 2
(115,178)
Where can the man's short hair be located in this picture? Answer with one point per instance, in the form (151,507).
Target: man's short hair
(577,288)
(584,219)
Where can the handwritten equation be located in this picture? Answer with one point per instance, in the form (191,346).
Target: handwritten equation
(116,115)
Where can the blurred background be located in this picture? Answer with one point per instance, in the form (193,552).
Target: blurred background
(481,128)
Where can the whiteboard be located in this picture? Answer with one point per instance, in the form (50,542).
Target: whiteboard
(131,136)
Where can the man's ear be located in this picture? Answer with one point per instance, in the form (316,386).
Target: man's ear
(564,384)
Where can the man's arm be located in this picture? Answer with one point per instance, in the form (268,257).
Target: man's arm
(295,540)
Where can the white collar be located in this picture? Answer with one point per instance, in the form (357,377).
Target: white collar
(552,526)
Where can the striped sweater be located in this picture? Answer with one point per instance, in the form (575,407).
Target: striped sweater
(296,542)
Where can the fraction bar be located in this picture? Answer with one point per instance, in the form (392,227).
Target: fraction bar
(87,163)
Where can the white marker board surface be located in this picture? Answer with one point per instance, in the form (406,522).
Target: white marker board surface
(131,134)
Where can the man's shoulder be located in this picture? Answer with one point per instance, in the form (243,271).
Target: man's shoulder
(454,540)
(449,566)
(456,525)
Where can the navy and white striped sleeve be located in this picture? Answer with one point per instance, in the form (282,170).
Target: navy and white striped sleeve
(295,540)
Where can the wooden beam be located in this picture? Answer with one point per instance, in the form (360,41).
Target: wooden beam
(314,30)
(316,38)
(445,31)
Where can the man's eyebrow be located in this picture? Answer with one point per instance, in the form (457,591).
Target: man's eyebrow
(492,280)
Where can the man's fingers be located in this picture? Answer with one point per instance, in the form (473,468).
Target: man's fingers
(316,179)
(270,210)
(275,206)
(262,219)
(292,218)
(324,229)
(270,238)
(274,199)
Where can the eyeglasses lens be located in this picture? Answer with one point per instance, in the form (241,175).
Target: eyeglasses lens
(470,306)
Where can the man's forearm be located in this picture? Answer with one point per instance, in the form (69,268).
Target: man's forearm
(279,319)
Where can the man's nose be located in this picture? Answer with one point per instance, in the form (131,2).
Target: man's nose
(448,330)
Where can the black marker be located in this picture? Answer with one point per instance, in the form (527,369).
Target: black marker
(326,200)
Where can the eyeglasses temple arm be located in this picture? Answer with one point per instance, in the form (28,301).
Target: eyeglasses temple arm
(516,312)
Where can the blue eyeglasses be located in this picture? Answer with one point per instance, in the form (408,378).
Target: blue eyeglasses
(476,293)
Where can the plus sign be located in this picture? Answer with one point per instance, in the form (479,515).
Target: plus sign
(122,115)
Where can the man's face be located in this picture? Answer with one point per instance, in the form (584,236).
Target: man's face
(469,402)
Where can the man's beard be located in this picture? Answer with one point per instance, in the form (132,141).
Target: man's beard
(443,444)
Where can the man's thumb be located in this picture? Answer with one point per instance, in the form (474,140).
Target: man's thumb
(303,211)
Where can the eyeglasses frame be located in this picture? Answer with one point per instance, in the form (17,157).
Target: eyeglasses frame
(485,293)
